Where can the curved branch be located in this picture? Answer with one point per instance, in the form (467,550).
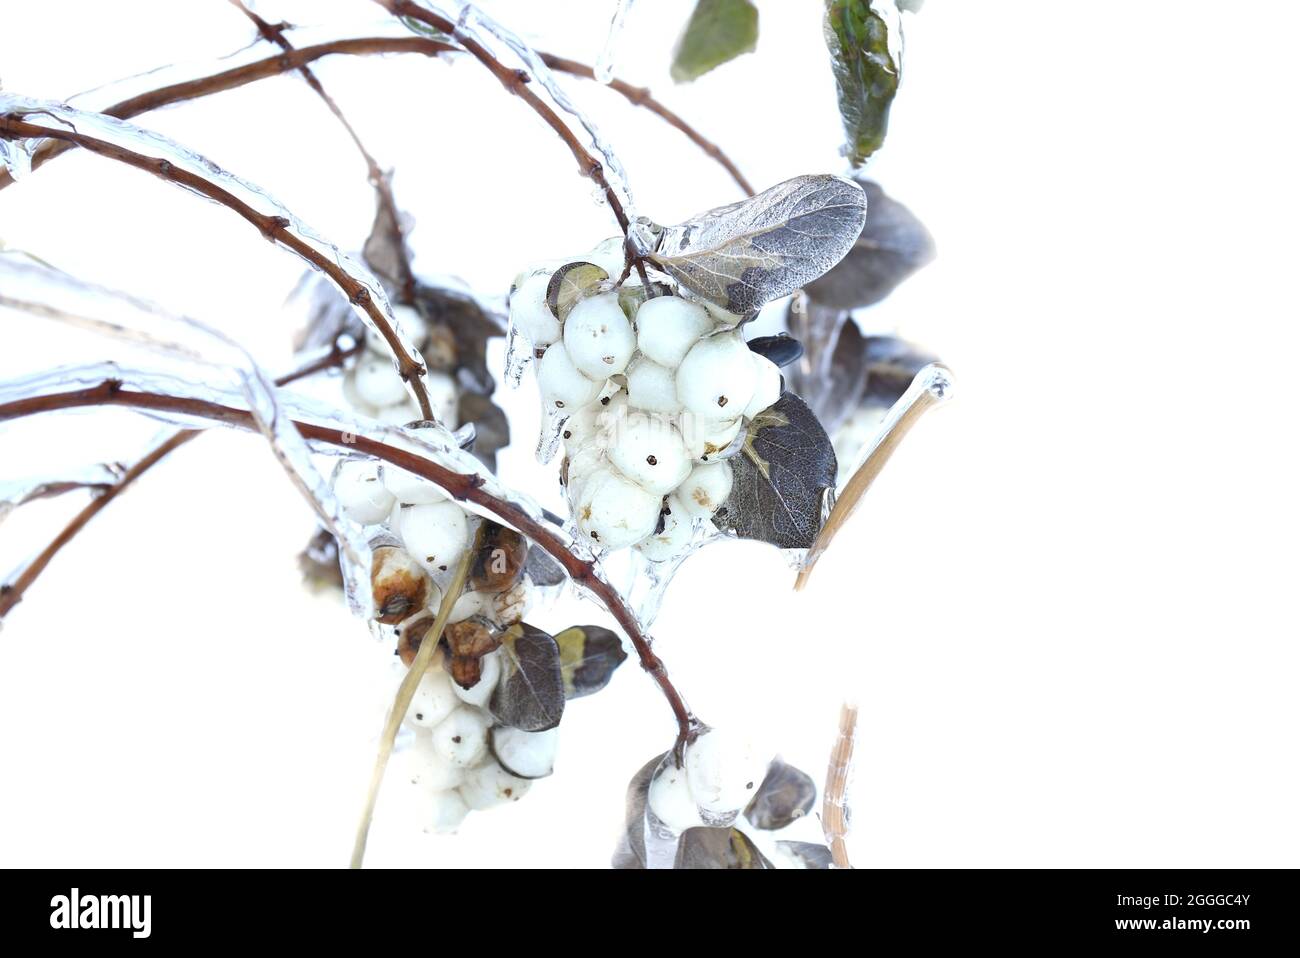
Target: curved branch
(461,486)
(274,228)
(11,593)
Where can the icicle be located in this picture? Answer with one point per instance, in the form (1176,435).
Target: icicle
(16,157)
(548,434)
(518,355)
(608,53)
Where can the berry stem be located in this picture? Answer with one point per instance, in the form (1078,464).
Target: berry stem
(406,692)
(835,803)
(465,487)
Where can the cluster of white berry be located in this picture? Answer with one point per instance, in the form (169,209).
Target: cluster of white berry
(656,390)
(458,759)
(375,390)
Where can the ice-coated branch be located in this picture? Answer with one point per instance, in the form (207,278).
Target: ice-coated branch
(275,33)
(198,174)
(299,57)
(11,593)
(469,487)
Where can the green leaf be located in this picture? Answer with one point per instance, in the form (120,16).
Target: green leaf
(530,692)
(746,254)
(785,795)
(718,31)
(780,477)
(588,657)
(866,72)
(571,283)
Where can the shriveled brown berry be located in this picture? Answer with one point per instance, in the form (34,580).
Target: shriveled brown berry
(499,563)
(468,642)
(410,635)
(399,585)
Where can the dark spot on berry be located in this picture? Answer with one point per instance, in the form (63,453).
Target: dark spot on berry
(652,460)
(604,401)
(428,558)
(456,739)
(595,536)
(749,784)
(559,404)
(420,716)
(567,434)
(442,568)
(509,792)
(722,400)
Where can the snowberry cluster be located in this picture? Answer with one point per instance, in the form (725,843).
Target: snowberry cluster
(457,758)
(651,392)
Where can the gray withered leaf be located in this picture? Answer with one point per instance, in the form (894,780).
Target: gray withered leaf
(864,40)
(786,794)
(891,365)
(491,428)
(530,693)
(718,848)
(541,569)
(589,655)
(747,254)
(319,563)
(459,329)
(644,843)
(892,246)
(385,250)
(809,854)
(780,477)
(718,31)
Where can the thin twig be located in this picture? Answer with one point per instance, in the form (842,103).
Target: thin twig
(274,228)
(378,179)
(835,802)
(11,593)
(931,386)
(366,46)
(466,487)
(406,692)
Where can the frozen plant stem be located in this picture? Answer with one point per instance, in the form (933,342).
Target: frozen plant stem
(835,801)
(11,593)
(274,33)
(406,691)
(461,486)
(296,58)
(516,82)
(932,385)
(274,228)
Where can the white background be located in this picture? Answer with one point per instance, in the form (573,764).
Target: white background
(1067,609)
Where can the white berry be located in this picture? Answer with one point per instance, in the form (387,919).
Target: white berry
(723,772)
(675,536)
(652,387)
(598,337)
(422,766)
(649,450)
(407,487)
(767,385)
(706,488)
(613,512)
(433,700)
(670,798)
(609,255)
(480,692)
(447,810)
(668,326)
(436,534)
(717,376)
(529,313)
(490,785)
(377,382)
(526,754)
(584,464)
(360,490)
(409,321)
(562,385)
(461,738)
(705,438)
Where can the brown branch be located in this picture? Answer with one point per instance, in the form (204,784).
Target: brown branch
(275,34)
(642,97)
(466,487)
(296,58)
(274,228)
(11,593)
(835,802)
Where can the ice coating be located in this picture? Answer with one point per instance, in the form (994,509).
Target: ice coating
(18,492)
(148,143)
(470,16)
(604,69)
